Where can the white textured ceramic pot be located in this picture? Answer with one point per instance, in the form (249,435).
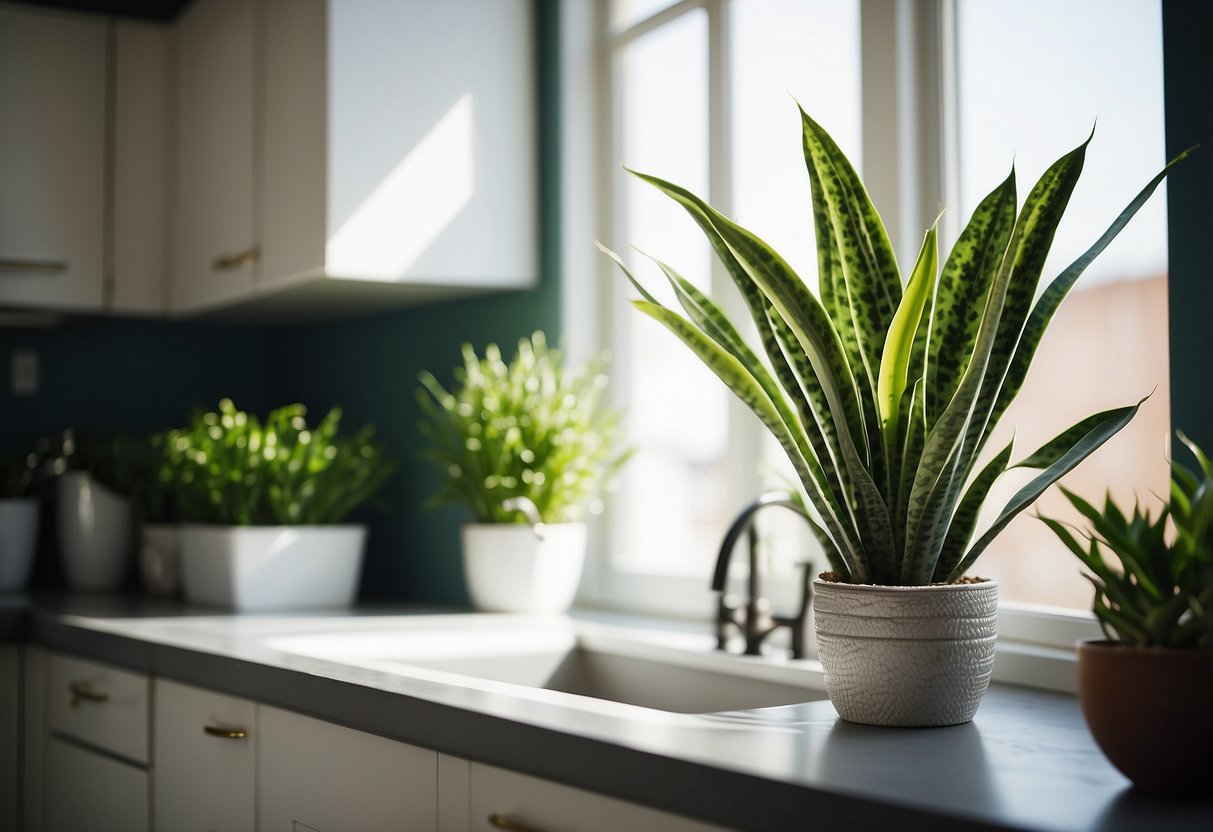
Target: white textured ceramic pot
(258,568)
(160,559)
(18,537)
(519,568)
(914,656)
(94,526)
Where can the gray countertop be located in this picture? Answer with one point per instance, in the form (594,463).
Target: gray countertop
(1025,762)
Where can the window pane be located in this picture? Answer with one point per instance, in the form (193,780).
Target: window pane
(807,49)
(670,510)
(1034,78)
(784,48)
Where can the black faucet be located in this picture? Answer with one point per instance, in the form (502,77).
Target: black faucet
(754,619)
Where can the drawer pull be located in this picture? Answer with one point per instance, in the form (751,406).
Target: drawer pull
(81,692)
(224,733)
(503,822)
(231,262)
(16,264)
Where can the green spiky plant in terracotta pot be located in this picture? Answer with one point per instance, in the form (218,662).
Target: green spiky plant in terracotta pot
(884,394)
(1146,689)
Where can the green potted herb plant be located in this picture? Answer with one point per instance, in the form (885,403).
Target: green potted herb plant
(528,448)
(158,517)
(1146,690)
(265,504)
(18,521)
(883,394)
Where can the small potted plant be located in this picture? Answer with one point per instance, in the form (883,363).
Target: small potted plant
(884,394)
(18,521)
(92,506)
(528,448)
(1147,689)
(264,507)
(158,518)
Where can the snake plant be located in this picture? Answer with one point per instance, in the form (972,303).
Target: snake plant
(884,395)
(1162,596)
(528,429)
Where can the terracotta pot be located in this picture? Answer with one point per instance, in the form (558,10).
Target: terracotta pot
(906,656)
(1151,711)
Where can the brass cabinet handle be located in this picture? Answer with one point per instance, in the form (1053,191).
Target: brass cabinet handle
(17,264)
(231,262)
(224,733)
(82,692)
(503,822)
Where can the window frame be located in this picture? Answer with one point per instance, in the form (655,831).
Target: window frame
(911,152)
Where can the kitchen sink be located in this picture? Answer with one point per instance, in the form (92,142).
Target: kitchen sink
(604,663)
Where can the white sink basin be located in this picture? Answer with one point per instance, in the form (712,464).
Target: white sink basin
(667,672)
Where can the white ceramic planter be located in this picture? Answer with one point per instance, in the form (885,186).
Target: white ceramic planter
(258,568)
(160,559)
(94,526)
(906,656)
(510,568)
(18,538)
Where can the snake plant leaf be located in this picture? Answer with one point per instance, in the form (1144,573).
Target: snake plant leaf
(739,379)
(964,520)
(1084,447)
(1051,451)
(965,279)
(1030,242)
(1051,299)
(869,268)
(1205,465)
(899,341)
(636,284)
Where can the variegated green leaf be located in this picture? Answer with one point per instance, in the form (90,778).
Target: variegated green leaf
(964,520)
(965,279)
(1084,447)
(899,341)
(739,379)
(1050,300)
(1055,448)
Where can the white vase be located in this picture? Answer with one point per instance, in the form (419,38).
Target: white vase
(913,656)
(94,527)
(259,568)
(514,568)
(18,539)
(160,559)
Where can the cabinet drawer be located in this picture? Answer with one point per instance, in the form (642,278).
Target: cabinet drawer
(501,797)
(87,790)
(100,705)
(206,760)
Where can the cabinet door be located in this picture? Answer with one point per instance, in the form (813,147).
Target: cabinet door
(141,170)
(52,160)
(215,236)
(204,774)
(86,790)
(318,776)
(499,798)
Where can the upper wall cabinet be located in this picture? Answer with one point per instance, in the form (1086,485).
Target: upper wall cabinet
(83,162)
(395,152)
(52,160)
(216,239)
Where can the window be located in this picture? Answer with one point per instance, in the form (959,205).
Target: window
(938,98)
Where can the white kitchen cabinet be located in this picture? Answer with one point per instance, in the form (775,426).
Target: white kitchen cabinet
(314,775)
(398,148)
(99,705)
(141,167)
(215,236)
(503,799)
(86,790)
(52,159)
(204,777)
(10,730)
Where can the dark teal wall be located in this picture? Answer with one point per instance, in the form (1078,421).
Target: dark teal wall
(140,376)
(1188,75)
